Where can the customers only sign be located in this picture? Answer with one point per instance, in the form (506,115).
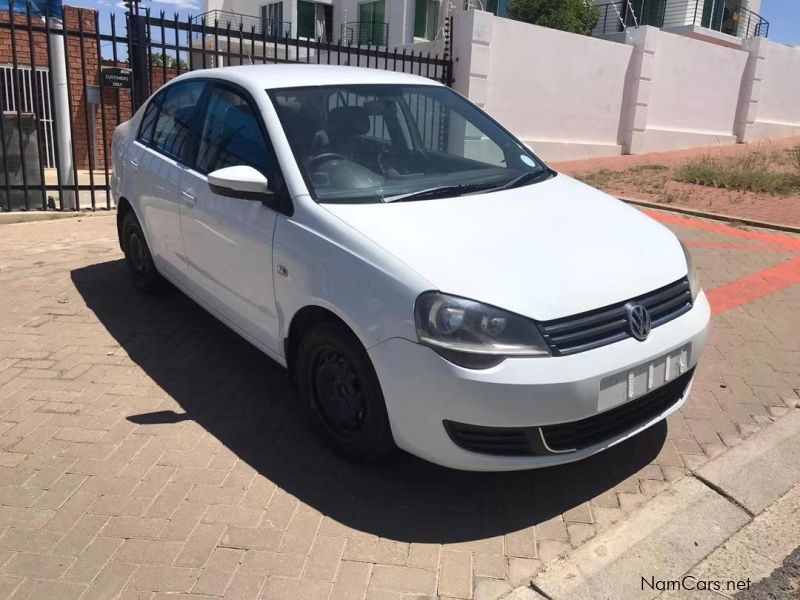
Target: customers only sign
(115,77)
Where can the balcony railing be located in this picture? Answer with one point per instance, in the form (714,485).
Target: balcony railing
(361,33)
(224,19)
(725,16)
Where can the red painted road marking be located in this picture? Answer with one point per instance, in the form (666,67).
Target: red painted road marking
(753,287)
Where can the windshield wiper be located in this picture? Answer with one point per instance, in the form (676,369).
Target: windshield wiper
(445,191)
(526,178)
(442,191)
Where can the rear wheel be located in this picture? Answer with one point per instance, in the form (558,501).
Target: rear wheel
(337,380)
(138,257)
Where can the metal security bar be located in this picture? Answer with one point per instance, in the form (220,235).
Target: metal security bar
(730,17)
(112,66)
(225,18)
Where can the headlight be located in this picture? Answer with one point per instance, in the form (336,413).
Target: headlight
(472,334)
(694,279)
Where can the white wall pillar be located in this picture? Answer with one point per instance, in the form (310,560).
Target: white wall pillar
(639,87)
(472,36)
(747,113)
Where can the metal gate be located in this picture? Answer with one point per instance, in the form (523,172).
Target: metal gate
(112,67)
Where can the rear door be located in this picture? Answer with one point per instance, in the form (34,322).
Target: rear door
(167,139)
(229,240)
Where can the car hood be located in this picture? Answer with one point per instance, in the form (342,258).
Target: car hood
(547,250)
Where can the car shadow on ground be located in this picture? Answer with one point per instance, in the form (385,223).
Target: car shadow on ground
(245,400)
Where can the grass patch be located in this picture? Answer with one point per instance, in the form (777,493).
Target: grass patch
(750,172)
(794,158)
(648,168)
(599,179)
(645,178)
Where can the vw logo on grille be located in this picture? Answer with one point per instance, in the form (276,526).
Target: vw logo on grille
(638,321)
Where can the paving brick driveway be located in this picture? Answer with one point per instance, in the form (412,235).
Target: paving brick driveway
(146,449)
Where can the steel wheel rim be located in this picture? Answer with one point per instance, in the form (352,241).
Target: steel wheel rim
(338,392)
(136,252)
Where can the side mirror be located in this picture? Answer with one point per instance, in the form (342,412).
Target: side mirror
(241,182)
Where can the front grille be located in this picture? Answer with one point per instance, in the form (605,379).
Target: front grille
(607,325)
(566,437)
(611,423)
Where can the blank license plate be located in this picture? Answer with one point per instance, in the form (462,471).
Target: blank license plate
(628,385)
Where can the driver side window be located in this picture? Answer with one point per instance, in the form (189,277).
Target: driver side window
(232,135)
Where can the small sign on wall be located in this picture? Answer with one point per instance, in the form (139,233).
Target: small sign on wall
(116,77)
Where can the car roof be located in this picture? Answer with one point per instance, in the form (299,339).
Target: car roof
(300,75)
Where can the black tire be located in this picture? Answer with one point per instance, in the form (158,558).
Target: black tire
(335,378)
(137,255)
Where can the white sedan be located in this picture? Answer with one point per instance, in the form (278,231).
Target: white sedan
(429,283)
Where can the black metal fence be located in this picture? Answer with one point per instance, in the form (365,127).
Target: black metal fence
(725,16)
(112,67)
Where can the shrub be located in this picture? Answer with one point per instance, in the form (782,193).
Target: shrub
(749,172)
(576,16)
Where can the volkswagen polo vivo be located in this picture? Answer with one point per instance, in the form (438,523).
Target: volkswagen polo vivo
(428,281)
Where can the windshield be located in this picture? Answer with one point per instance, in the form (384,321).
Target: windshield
(386,143)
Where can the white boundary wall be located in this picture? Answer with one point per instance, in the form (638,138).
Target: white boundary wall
(571,96)
(538,82)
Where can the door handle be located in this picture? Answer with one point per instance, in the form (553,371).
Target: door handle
(135,164)
(188,197)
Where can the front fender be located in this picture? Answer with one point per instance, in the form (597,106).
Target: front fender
(331,265)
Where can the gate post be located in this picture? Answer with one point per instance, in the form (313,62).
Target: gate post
(61,113)
(138,45)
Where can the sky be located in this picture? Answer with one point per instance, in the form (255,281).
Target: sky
(170,7)
(784,20)
(184,7)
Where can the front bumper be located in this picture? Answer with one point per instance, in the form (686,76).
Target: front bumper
(422,390)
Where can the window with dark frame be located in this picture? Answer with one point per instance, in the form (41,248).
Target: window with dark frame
(232,135)
(172,133)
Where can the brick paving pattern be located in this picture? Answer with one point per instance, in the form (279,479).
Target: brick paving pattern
(145,449)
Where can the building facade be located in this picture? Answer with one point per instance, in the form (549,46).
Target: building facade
(374,22)
(720,21)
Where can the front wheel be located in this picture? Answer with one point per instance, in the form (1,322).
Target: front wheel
(337,380)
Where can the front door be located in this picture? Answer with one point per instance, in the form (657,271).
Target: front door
(228,241)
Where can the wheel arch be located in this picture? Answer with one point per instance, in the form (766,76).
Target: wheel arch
(123,208)
(301,322)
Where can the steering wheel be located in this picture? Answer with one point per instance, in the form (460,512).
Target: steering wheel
(315,161)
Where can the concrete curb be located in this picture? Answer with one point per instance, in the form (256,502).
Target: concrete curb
(710,215)
(753,556)
(31,216)
(673,532)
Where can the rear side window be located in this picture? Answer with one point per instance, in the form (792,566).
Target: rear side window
(232,135)
(173,133)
